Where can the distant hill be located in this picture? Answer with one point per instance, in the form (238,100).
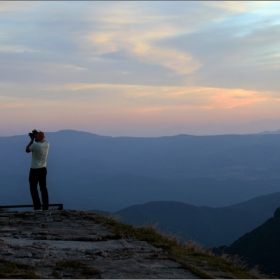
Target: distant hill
(89,171)
(262,205)
(261,246)
(270,132)
(208,226)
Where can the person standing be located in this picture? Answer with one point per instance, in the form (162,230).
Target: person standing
(38,170)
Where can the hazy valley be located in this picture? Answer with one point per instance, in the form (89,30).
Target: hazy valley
(87,171)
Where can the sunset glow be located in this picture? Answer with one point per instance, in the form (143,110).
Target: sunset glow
(140,68)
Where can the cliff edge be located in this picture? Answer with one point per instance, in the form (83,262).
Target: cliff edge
(73,244)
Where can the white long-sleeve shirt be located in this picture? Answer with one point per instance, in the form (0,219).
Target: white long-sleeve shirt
(40,152)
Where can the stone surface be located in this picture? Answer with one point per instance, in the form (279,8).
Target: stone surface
(66,244)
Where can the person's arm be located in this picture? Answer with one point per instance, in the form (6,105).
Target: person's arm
(27,149)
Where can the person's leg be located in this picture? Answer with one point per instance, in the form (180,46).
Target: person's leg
(33,181)
(43,188)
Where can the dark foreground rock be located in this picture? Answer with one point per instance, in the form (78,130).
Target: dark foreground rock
(67,244)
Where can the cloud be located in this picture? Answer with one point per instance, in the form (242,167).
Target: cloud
(237,55)
(161,98)
(23,6)
(93,36)
(10,105)
(11,102)
(140,47)
(140,96)
(135,33)
(231,98)
(14,49)
(237,6)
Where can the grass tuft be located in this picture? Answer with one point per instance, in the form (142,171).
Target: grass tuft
(12,270)
(193,256)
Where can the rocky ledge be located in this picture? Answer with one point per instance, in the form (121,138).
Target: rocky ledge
(69,244)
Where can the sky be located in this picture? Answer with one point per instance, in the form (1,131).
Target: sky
(143,68)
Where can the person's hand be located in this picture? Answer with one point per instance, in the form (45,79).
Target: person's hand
(34,132)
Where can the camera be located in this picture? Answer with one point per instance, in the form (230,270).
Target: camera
(33,134)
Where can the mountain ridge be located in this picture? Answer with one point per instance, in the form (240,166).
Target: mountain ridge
(208,226)
(259,247)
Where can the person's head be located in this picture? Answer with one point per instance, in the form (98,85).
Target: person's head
(40,137)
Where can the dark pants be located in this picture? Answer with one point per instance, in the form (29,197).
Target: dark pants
(39,176)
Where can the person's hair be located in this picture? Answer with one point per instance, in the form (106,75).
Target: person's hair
(41,135)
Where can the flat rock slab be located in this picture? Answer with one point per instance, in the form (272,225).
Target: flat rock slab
(67,244)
